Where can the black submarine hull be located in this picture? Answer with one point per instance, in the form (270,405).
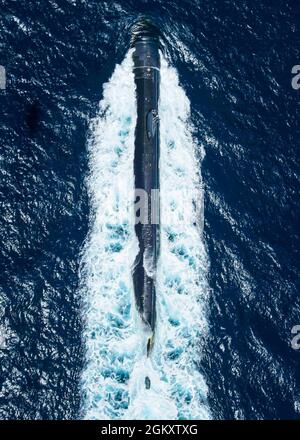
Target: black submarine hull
(146,70)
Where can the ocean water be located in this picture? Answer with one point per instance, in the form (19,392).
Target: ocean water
(70,343)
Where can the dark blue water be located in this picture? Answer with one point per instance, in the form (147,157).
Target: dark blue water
(234,60)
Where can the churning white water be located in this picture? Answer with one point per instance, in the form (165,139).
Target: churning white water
(113,379)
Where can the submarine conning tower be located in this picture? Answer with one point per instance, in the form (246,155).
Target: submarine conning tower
(146,68)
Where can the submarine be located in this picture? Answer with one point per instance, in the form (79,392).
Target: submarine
(146,69)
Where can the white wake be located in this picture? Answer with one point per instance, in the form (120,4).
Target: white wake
(113,380)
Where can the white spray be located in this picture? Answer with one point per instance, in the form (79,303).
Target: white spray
(113,379)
